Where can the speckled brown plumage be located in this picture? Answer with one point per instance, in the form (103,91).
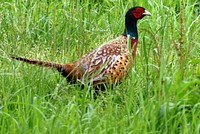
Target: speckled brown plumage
(108,63)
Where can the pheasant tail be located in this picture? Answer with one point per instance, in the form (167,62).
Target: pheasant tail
(57,66)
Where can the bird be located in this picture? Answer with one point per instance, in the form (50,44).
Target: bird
(108,63)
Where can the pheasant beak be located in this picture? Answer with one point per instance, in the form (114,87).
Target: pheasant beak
(146,13)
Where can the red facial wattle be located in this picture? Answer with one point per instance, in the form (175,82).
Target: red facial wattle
(137,13)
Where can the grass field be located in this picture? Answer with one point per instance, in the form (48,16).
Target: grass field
(161,95)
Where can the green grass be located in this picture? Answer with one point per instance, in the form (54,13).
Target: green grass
(162,94)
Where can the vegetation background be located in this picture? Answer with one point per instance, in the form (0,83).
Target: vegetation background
(161,95)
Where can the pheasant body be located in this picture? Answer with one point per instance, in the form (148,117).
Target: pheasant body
(108,63)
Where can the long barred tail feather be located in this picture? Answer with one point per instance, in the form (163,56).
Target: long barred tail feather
(39,62)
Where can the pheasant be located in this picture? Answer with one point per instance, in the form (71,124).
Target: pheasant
(108,63)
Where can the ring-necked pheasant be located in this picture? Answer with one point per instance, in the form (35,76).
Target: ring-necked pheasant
(108,62)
